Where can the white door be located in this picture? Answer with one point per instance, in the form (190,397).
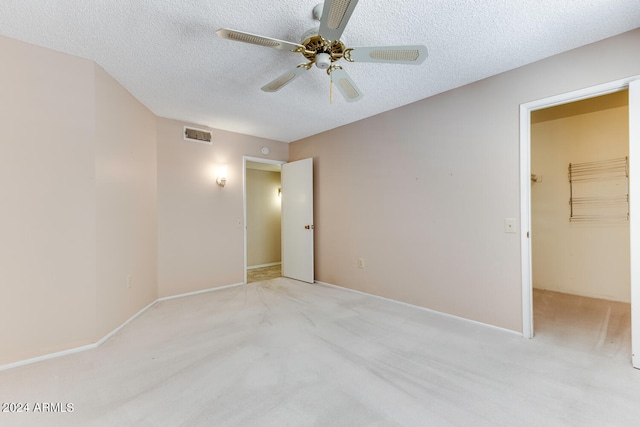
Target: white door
(634,216)
(297,220)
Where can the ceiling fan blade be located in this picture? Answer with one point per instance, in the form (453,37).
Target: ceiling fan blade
(242,36)
(283,80)
(335,16)
(414,55)
(345,85)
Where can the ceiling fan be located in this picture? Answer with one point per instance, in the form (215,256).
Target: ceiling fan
(322,46)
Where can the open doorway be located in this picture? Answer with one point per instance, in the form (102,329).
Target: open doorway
(295,203)
(633,85)
(263,220)
(580,237)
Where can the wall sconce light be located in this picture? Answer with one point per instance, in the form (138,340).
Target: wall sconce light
(222,176)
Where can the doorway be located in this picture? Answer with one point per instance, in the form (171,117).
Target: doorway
(633,84)
(262,210)
(297,228)
(580,225)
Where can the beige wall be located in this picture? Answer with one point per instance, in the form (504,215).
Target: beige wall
(47,219)
(263,217)
(200,245)
(77,159)
(589,259)
(421,192)
(126,221)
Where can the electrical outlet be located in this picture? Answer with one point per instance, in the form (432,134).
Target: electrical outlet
(360,262)
(129,281)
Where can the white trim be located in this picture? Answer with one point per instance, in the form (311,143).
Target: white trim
(271,264)
(263,160)
(525,182)
(525,221)
(109,335)
(582,293)
(48,356)
(126,322)
(203,291)
(634,218)
(76,349)
(428,310)
(244,220)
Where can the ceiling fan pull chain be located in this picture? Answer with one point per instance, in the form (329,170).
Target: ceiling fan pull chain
(330,89)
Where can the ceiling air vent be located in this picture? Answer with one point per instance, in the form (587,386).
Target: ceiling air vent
(198,135)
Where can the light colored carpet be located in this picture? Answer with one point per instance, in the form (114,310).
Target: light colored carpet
(285,353)
(586,324)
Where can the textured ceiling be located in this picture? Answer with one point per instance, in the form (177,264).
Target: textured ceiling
(166,53)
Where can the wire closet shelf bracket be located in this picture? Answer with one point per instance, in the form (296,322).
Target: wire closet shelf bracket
(599,191)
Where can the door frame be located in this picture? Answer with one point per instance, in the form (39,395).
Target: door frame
(245,159)
(525,191)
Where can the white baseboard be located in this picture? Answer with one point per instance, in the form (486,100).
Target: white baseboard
(126,322)
(109,335)
(271,264)
(188,294)
(47,356)
(451,316)
(584,294)
(116,330)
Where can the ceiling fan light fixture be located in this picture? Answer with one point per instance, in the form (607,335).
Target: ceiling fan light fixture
(323,61)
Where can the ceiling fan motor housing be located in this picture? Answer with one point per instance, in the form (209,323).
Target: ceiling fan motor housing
(320,50)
